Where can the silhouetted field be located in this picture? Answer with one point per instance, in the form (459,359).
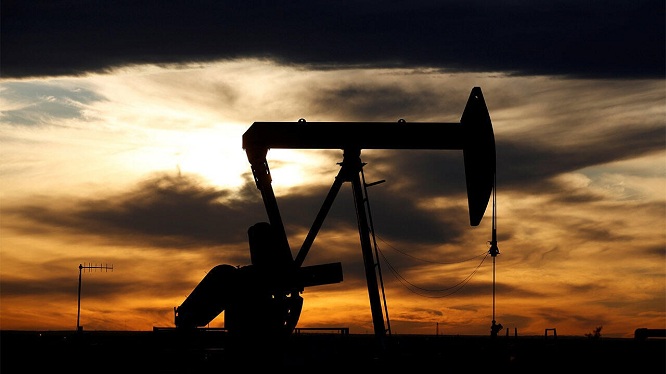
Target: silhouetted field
(214,352)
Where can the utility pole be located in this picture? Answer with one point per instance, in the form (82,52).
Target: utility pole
(89,267)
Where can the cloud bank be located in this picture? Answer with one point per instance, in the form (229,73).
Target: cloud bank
(609,39)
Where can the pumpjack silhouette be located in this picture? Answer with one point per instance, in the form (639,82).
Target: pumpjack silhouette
(264,298)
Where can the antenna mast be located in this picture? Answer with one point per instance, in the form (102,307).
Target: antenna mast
(89,267)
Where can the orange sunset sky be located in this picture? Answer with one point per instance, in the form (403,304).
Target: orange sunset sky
(124,148)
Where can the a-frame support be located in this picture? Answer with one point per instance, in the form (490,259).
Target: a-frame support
(350,171)
(352,162)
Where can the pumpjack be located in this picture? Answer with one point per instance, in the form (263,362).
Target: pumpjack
(265,297)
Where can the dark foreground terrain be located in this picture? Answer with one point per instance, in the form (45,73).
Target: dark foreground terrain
(206,351)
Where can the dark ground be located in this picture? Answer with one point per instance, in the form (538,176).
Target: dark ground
(169,351)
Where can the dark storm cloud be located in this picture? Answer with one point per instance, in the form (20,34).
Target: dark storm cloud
(19,287)
(657,251)
(364,102)
(166,211)
(528,166)
(95,287)
(585,39)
